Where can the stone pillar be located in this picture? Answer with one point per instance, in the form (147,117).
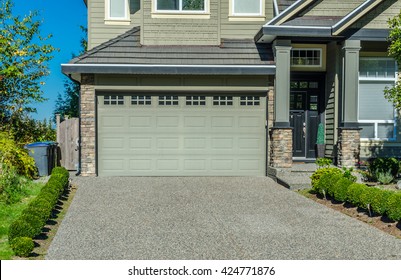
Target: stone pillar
(281,147)
(88,126)
(348,147)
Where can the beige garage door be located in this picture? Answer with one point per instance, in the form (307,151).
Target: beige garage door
(181,135)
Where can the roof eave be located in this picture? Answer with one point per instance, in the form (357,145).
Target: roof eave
(270,32)
(148,69)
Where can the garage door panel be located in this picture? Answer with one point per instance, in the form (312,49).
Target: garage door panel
(140,143)
(182,140)
(142,121)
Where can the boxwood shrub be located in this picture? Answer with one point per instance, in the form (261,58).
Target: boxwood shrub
(38,211)
(340,188)
(22,246)
(354,193)
(394,206)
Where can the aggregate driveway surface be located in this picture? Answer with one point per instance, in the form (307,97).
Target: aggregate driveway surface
(208,218)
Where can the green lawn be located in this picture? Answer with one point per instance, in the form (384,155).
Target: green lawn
(8,213)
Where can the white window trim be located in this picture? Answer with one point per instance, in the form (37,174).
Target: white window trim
(377,122)
(205,14)
(116,20)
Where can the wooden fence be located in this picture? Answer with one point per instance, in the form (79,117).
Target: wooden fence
(68,142)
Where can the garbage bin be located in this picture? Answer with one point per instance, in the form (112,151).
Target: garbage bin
(44,154)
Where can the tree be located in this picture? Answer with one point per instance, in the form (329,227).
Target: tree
(23,63)
(394,94)
(68,104)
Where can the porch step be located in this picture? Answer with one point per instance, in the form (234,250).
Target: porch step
(295,178)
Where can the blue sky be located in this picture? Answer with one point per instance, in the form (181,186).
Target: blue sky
(62,19)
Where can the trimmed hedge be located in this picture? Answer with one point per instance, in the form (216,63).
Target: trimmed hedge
(36,214)
(22,246)
(333,183)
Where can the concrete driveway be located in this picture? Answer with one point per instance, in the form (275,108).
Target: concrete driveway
(209,218)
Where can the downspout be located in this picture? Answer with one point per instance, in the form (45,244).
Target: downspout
(275,8)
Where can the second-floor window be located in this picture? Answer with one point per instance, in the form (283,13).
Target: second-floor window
(117,9)
(247,7)
(181,5)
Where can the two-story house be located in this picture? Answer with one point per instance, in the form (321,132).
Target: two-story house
(231,87)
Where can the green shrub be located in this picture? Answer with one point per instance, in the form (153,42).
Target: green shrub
(41,207)
(369,196)
(36,221)
(16,156)
(20,228)
(22,246)
(378,203)
(339,189)
(323,162)
(394,206)
(354,193)
(384,177)
(315,178)
(11,185)
(329,184)
(347,173)
(383,165)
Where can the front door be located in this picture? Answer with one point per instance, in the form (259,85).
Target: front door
(305,107)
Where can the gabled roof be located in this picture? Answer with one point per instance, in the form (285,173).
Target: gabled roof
(297,21)
(125,54)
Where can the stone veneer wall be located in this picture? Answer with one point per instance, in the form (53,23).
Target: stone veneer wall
(88,126)
(348,146)
(281,147)
(270,118)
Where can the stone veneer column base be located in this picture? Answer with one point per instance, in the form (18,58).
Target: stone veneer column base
(281,147)
(88,126)
(348,146)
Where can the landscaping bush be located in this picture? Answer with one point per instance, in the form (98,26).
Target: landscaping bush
(41,207)
(384,178)
(36,222)
(339,189)
(328,182)
(383,165)
(20,228)
(15,156)
(38,211)
(319,173)
(378,200)
(354,193)
(394,206)
(22,246)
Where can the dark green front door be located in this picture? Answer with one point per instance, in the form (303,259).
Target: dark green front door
(305,97)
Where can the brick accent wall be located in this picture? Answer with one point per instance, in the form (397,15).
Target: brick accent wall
(348,146)
(281,147)
(88,126)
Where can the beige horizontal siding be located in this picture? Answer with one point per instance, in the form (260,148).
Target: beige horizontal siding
(98,31)
(242,29)
(378,18)
(333,7)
